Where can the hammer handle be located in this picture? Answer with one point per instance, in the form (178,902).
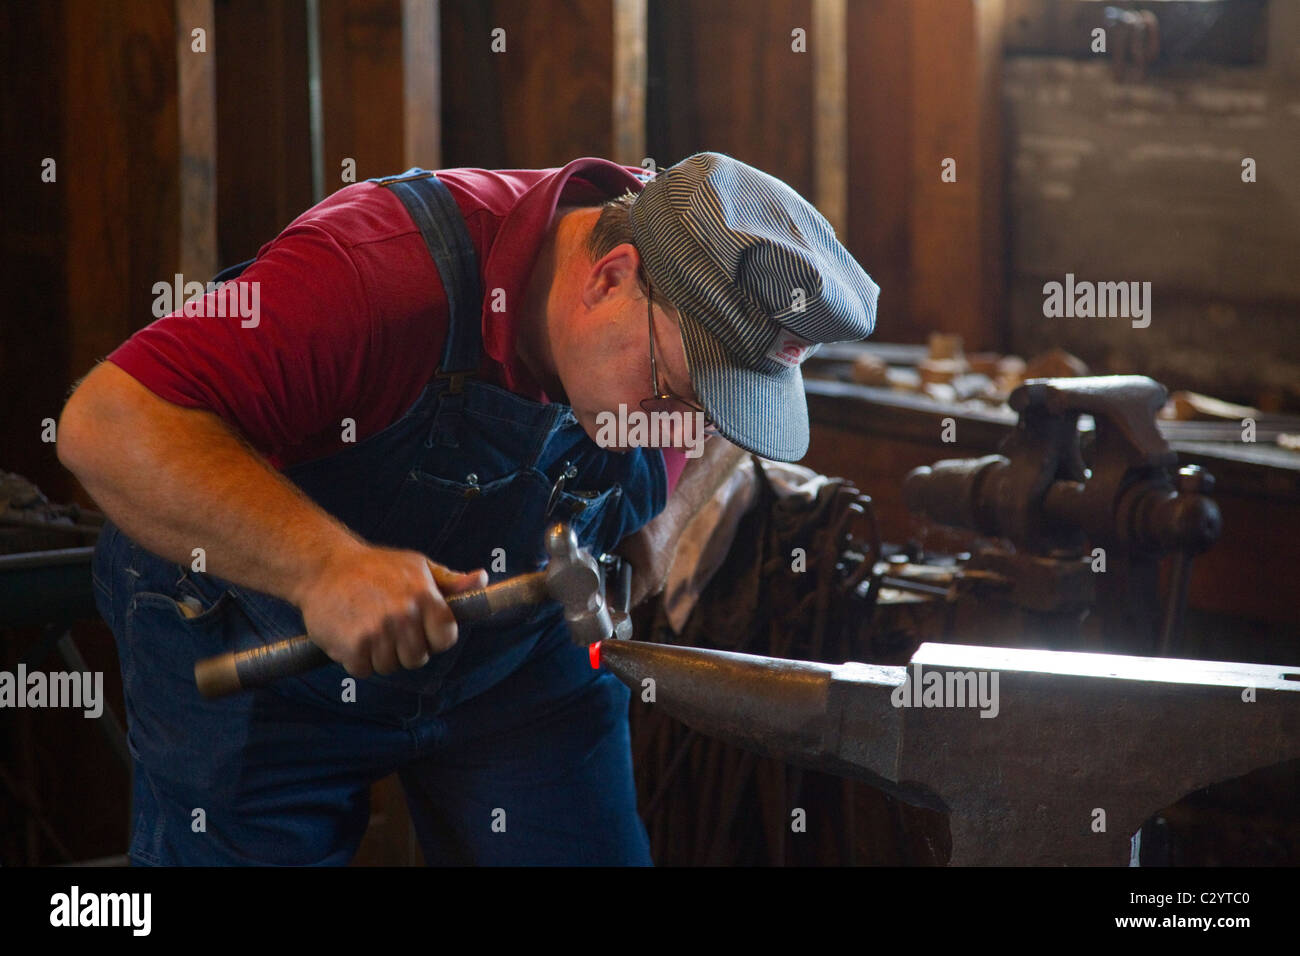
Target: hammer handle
(256,667)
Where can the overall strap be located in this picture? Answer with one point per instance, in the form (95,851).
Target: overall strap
(436,215)
(431,207)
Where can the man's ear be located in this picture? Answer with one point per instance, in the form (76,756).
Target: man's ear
(614,273)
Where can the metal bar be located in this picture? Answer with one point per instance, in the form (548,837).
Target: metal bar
(46,559)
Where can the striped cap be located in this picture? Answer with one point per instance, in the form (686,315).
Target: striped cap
(760,281)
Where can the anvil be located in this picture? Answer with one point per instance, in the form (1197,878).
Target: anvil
(1076,752)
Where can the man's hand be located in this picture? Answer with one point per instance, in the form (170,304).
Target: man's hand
(375,609)
(175,479)
(651,549)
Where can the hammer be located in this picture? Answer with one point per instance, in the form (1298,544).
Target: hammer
(572,577)
(1038,757)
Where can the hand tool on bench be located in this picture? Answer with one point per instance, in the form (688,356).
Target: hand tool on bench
(1078,752)
(572,577)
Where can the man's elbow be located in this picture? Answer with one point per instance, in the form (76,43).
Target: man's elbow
(91,424)
(75,434)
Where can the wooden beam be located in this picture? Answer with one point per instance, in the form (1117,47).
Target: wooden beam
(728,75)
(992,325)
(264,176)
(35,336)
(924,79)
(880,169)
(421,84)
(830,111)
(528,84)
(120,169)
(362,87)
(629,99)
(944,221)
(197,96)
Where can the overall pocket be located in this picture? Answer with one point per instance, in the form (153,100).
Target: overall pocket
(182,738)
(165,635)
(497,525)
(472,522)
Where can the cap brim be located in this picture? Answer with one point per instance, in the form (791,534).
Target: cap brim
(762,413)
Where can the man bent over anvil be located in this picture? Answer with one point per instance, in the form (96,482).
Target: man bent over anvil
(423,389)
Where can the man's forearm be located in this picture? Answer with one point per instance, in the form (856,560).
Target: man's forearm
(177,479)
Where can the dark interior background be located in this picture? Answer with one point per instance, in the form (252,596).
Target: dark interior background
(172,161)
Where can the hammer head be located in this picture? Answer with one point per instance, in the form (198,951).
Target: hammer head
(574,578)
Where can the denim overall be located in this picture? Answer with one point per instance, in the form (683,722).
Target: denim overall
(510,748)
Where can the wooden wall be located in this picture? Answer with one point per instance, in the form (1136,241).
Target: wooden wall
(724,77)
(543,100)
(93,87)
(177,159)
(924,81)
(264,175)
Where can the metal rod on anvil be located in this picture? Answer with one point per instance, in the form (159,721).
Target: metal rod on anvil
(1039,757)
(797,711)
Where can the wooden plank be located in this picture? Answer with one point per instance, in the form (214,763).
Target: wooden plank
(196,78)
(991,226)
(629,81)
(724,76)
(542,101)
(1283,32)
(361,82)
(949,47)
(879,178)
(121,170)
(474,131)
(923,87)
(421,84)
(263,139)
(1250,571)
(91,86)
(827,41)
(34,368)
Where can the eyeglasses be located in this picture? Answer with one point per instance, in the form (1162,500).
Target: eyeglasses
(663,400)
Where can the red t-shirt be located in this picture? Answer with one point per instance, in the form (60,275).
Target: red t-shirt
(353,316)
